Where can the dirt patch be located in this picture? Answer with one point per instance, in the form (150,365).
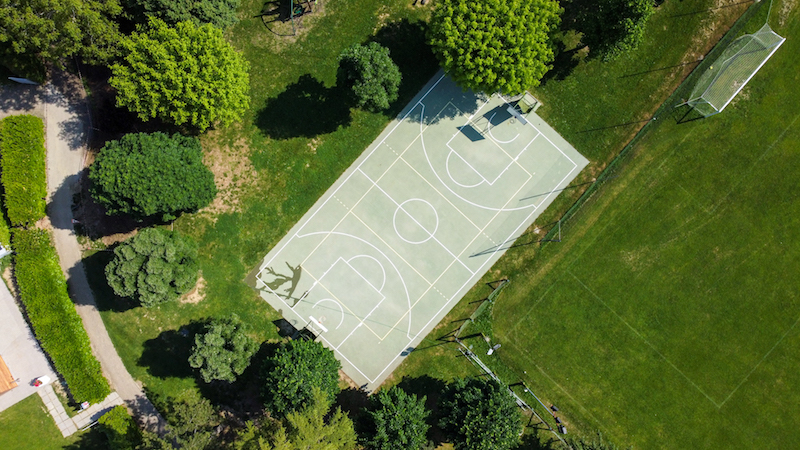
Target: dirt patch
(233,171)
(786,8)
(8,277)
(279,31)
(347,381)
(197,294)
(117,237)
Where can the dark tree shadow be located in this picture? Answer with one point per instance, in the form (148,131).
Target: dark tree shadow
(564,63)
(168,354)
(243,396)
(307,108)
(432,389)
(409,49)
(353,401)
(94,267)
(285,328)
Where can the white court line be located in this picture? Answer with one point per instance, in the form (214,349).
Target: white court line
(415,221)
(489,130)
(329,233)
(376,261)
(341,309)
(313,214)
(399,275)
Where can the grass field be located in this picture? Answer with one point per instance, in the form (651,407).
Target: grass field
(297,139)
(27,425)
(668,316)
(294,142)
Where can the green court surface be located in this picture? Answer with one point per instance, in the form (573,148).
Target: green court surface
(417,219)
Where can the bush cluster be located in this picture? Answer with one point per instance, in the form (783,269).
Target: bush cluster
(52,315)
(23,163)
(120,429)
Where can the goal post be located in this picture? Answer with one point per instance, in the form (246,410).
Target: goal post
(728,74)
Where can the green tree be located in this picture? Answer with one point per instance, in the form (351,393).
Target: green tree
(152,174)
(191,419)
(120,429)
(494,45)
(613,27)
(223,350)
(371,74)
(154,266)
(187,75)
(294,370)
(397,420)
(220,13)
(479,414)
(307,428)
(55,30)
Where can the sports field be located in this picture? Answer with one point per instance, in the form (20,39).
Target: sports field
(413,224)
(668,316)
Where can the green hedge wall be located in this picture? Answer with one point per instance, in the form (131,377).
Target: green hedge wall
(23,163)
(43,292)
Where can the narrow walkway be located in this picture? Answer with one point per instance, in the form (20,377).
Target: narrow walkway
(66,125)
(68,425)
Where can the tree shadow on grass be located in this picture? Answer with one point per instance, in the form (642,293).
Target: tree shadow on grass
(408,49)
(432,389)
(94,267)
(243,396)
(168,354)
(564,63)
(307,108)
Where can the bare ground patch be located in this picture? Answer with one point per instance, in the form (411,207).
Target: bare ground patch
(197,294)
(233,172)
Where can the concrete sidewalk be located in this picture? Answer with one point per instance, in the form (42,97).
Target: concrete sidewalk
(20,351)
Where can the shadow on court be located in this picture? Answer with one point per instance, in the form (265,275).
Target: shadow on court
(409,49)
(307,108)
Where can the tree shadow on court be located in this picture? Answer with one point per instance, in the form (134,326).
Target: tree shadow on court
(409,49)
(307,108)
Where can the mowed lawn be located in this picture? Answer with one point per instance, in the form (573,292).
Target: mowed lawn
(668,316)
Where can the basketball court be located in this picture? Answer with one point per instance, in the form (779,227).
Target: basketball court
(417,219)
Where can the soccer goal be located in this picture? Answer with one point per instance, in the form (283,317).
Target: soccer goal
(732,69)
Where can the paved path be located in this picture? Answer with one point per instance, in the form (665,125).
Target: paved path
(62,105)
(68,425)
(66,125)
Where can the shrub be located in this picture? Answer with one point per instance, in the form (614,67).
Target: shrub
(220,13)
(223,350)
(372,75)
(479,414)
(120,429)
(52,315)
(24,173)
(296,368)
(152,174)
(154,266)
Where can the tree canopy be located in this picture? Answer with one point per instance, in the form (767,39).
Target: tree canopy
(187,75)
(494,45)
(154,266)
(152,175)
(220,13)
(223,350)
(58,29)
(479,414)
(397,420)
(371,74)
(307,428)
(613,27)
(294,370)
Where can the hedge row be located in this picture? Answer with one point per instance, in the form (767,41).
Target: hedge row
(43,292)
(23,163)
